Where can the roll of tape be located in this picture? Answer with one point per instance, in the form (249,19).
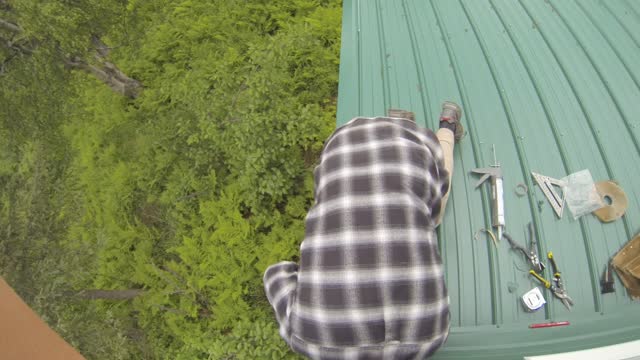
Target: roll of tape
(615,199)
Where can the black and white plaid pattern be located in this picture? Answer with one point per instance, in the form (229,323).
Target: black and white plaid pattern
(370,282)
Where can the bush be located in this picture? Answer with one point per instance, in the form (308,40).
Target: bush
(187,192)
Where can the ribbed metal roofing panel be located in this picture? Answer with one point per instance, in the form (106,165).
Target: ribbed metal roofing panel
(555,85)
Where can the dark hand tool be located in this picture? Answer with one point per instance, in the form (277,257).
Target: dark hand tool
(530,254)
(558,286)
(607,281)
(560,292)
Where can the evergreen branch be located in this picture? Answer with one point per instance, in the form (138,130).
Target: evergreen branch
(99,294)
(108,72)
(3,66)
(102,50)
(16,47)
(191,195)
(10,26)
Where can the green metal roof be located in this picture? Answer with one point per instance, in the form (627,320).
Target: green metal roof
(555,85)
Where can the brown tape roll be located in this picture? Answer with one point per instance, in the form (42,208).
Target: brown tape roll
(614,196)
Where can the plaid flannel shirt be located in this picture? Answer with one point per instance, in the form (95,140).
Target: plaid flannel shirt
(370,282)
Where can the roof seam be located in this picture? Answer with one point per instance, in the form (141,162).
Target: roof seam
(586,237)
(624,27)
(424,91)
(615,50)
(523,161)
(383,58)
(598,70)
(476,153)
(554,130)
(611,44)
(359,56)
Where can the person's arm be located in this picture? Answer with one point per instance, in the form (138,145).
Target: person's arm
(447,142)
(23,335)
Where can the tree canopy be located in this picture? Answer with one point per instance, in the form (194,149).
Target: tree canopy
(156,157)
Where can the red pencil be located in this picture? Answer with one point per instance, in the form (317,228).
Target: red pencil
(549,324)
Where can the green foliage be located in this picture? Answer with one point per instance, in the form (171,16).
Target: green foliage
(68,25)
(250,340)
(187,192)
(24,119)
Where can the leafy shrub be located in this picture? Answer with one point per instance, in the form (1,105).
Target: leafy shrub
(187,192)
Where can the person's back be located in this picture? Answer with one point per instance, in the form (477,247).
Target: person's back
(370,283)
